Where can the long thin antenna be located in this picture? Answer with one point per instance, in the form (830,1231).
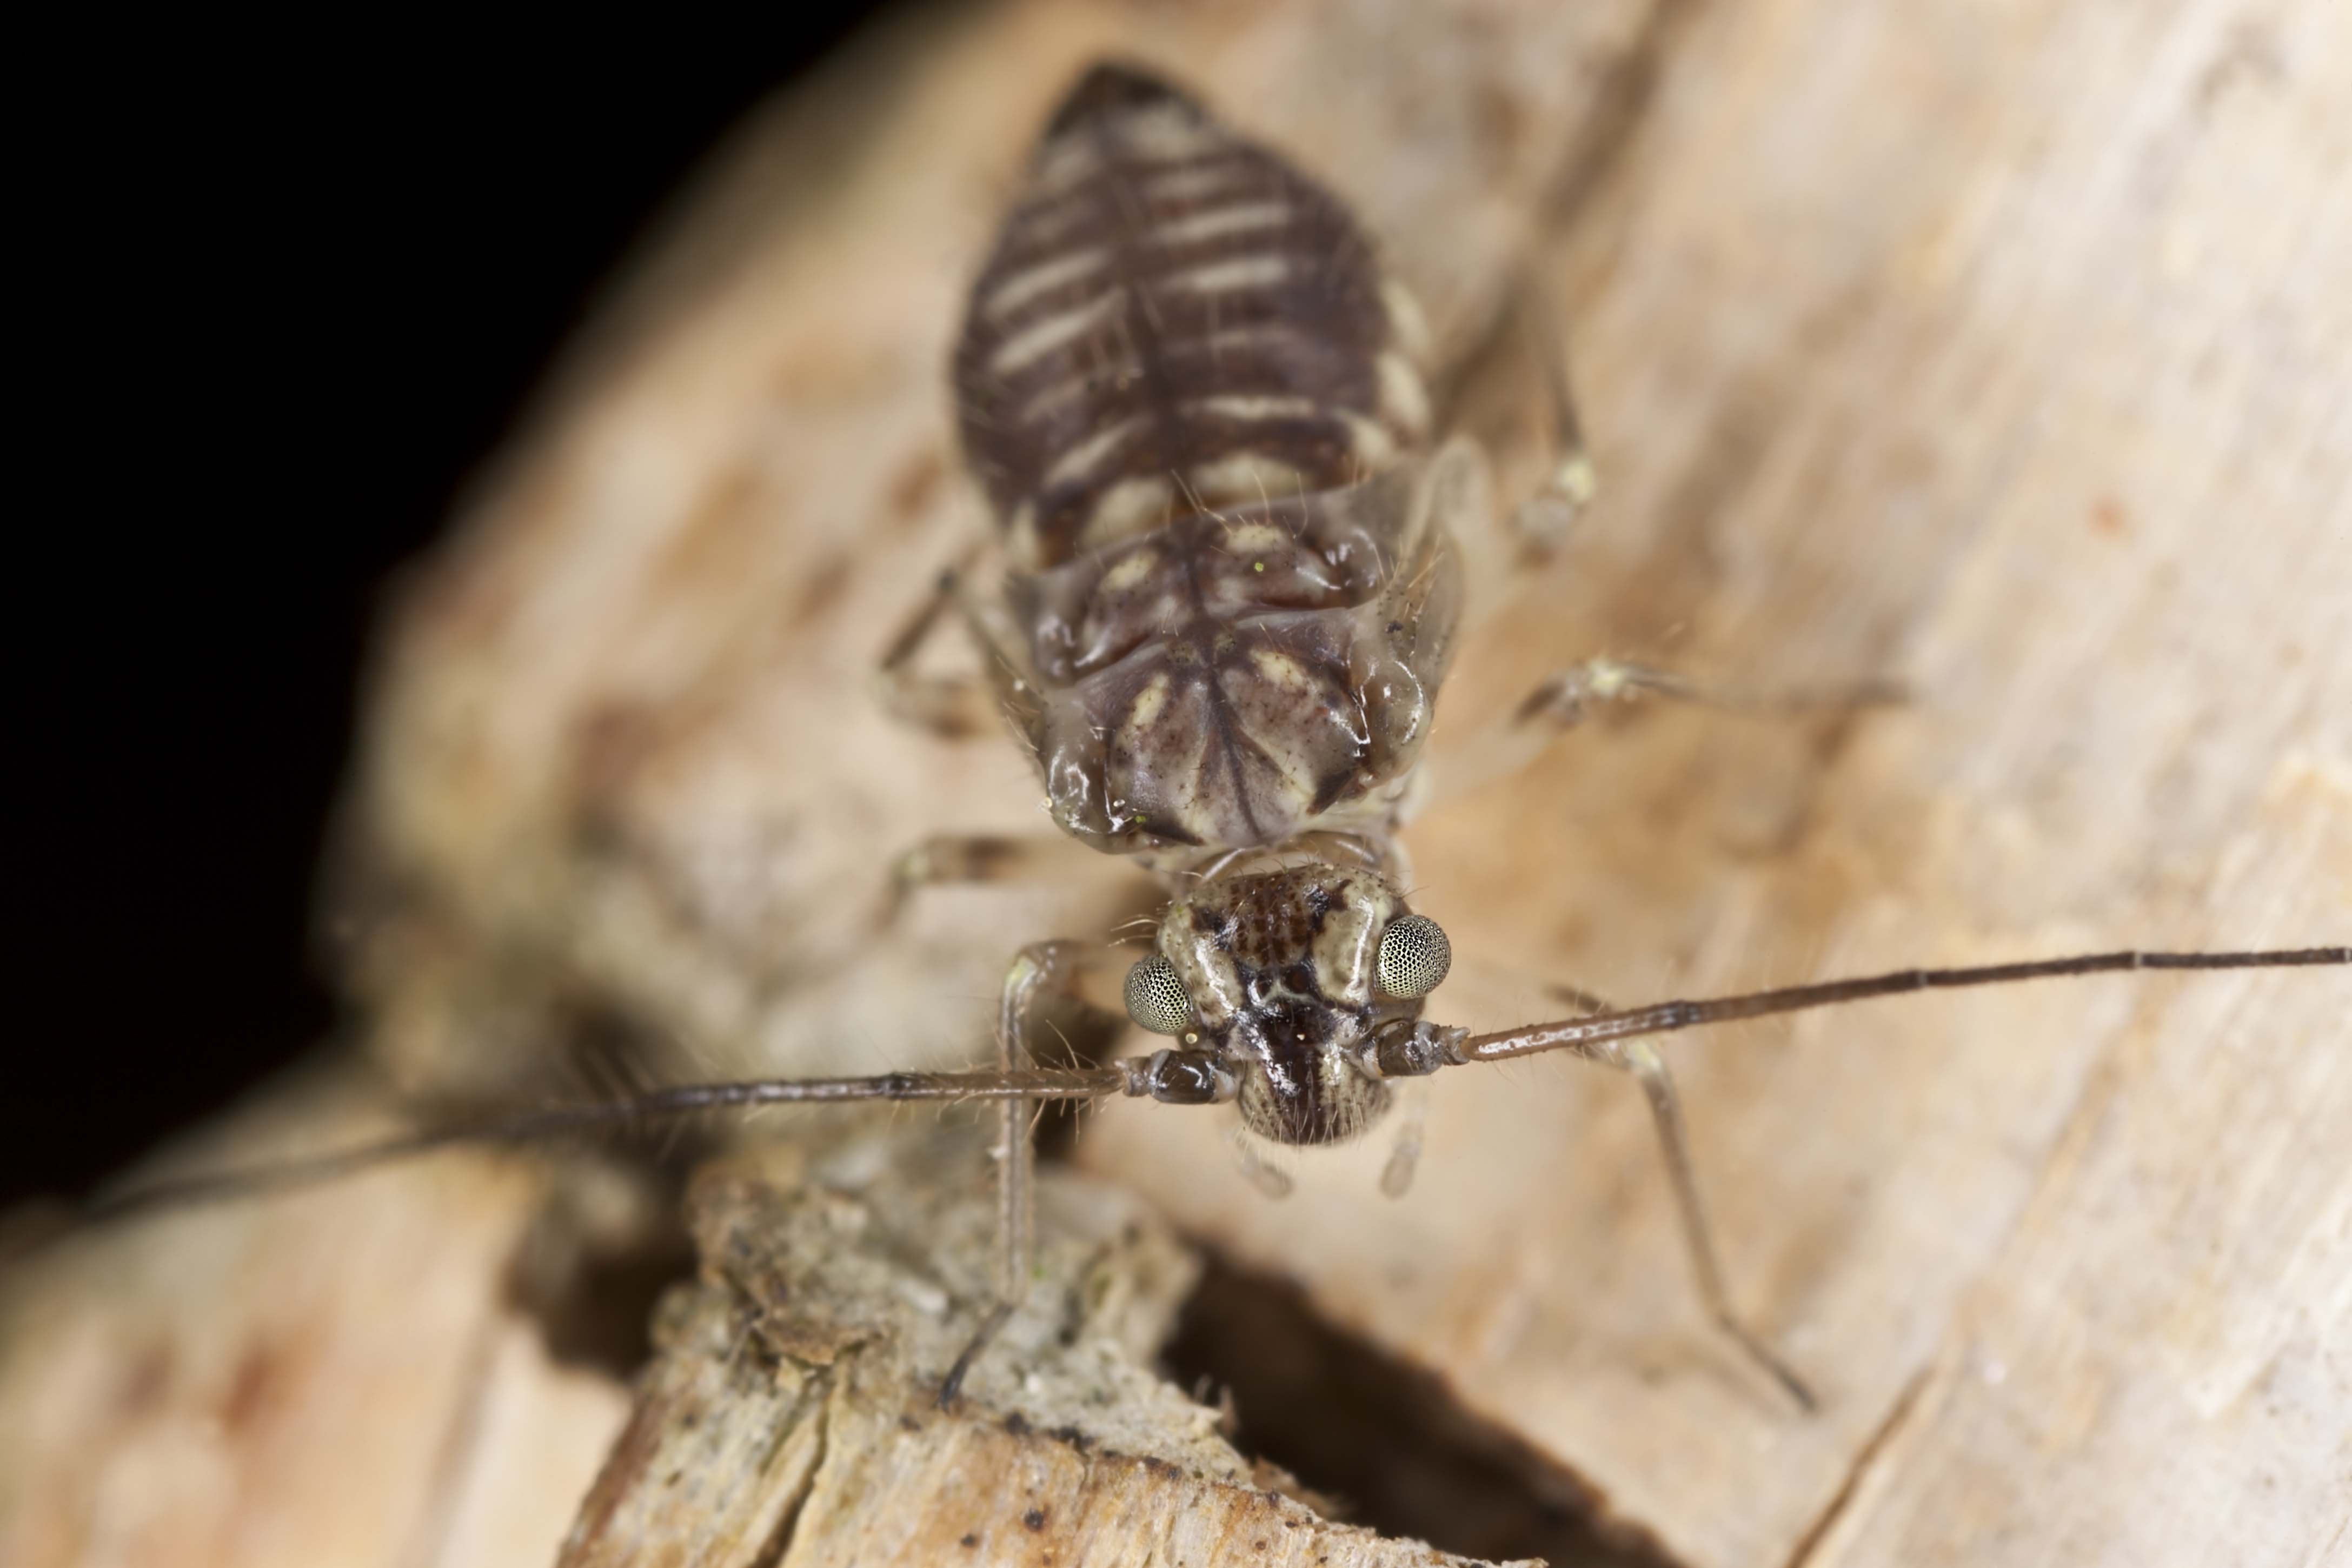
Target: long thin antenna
(1665,1018)
(1116,1079)
(636,1110)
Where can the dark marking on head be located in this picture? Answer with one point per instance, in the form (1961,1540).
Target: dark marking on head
(1280,968)
(1216,926)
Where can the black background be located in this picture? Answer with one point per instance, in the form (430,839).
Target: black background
(287,295)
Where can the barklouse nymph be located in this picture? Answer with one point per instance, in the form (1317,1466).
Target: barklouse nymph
(1236,559)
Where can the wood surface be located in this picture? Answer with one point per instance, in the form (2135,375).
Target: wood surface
(2002,350)
(337,1377)
(791,1414)
(357,1375)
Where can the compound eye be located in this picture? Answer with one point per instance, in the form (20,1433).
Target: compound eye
(1415,956)
(1156,999)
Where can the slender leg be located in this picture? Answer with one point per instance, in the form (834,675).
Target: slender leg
(1563,700)
(1501,549)
(1404,1156)
(1673,1139)
(1498,555)
(955,707)
(1043,973)
(1640,1058)
(947,858)
(1542,522)
(1269,1179)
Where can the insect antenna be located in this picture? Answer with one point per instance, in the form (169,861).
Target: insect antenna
(1584,1033)
(1598,1036)
(629,1113)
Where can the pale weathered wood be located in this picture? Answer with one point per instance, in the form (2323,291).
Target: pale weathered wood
(336,1378)
(348,1377)
(791,1415)
(2004,350)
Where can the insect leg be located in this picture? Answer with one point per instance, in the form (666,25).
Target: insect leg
(947,858)
(1541,523)
(1404,1155)
(1268,1178)
(1642,1060)
(1528,332)
(958,706)
(1043,973)
(1602,1037)
(955,707)
(1563,700)
(1649,1069)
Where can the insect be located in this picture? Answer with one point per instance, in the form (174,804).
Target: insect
(1237,560)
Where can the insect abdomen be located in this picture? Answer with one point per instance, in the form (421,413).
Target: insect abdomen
(1193,402)
(1174,321)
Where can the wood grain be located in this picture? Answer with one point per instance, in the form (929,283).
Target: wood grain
(1964,347)
(2001,350)
(337,1377)
(790,1415)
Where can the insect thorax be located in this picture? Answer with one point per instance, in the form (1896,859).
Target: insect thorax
(1195,407)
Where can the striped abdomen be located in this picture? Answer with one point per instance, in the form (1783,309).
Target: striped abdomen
(1192,399)
(1174,321)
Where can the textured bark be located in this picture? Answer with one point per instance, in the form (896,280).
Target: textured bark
(2003,351)
(790,1415)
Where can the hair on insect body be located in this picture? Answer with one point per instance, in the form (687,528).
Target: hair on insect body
(1236,553)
